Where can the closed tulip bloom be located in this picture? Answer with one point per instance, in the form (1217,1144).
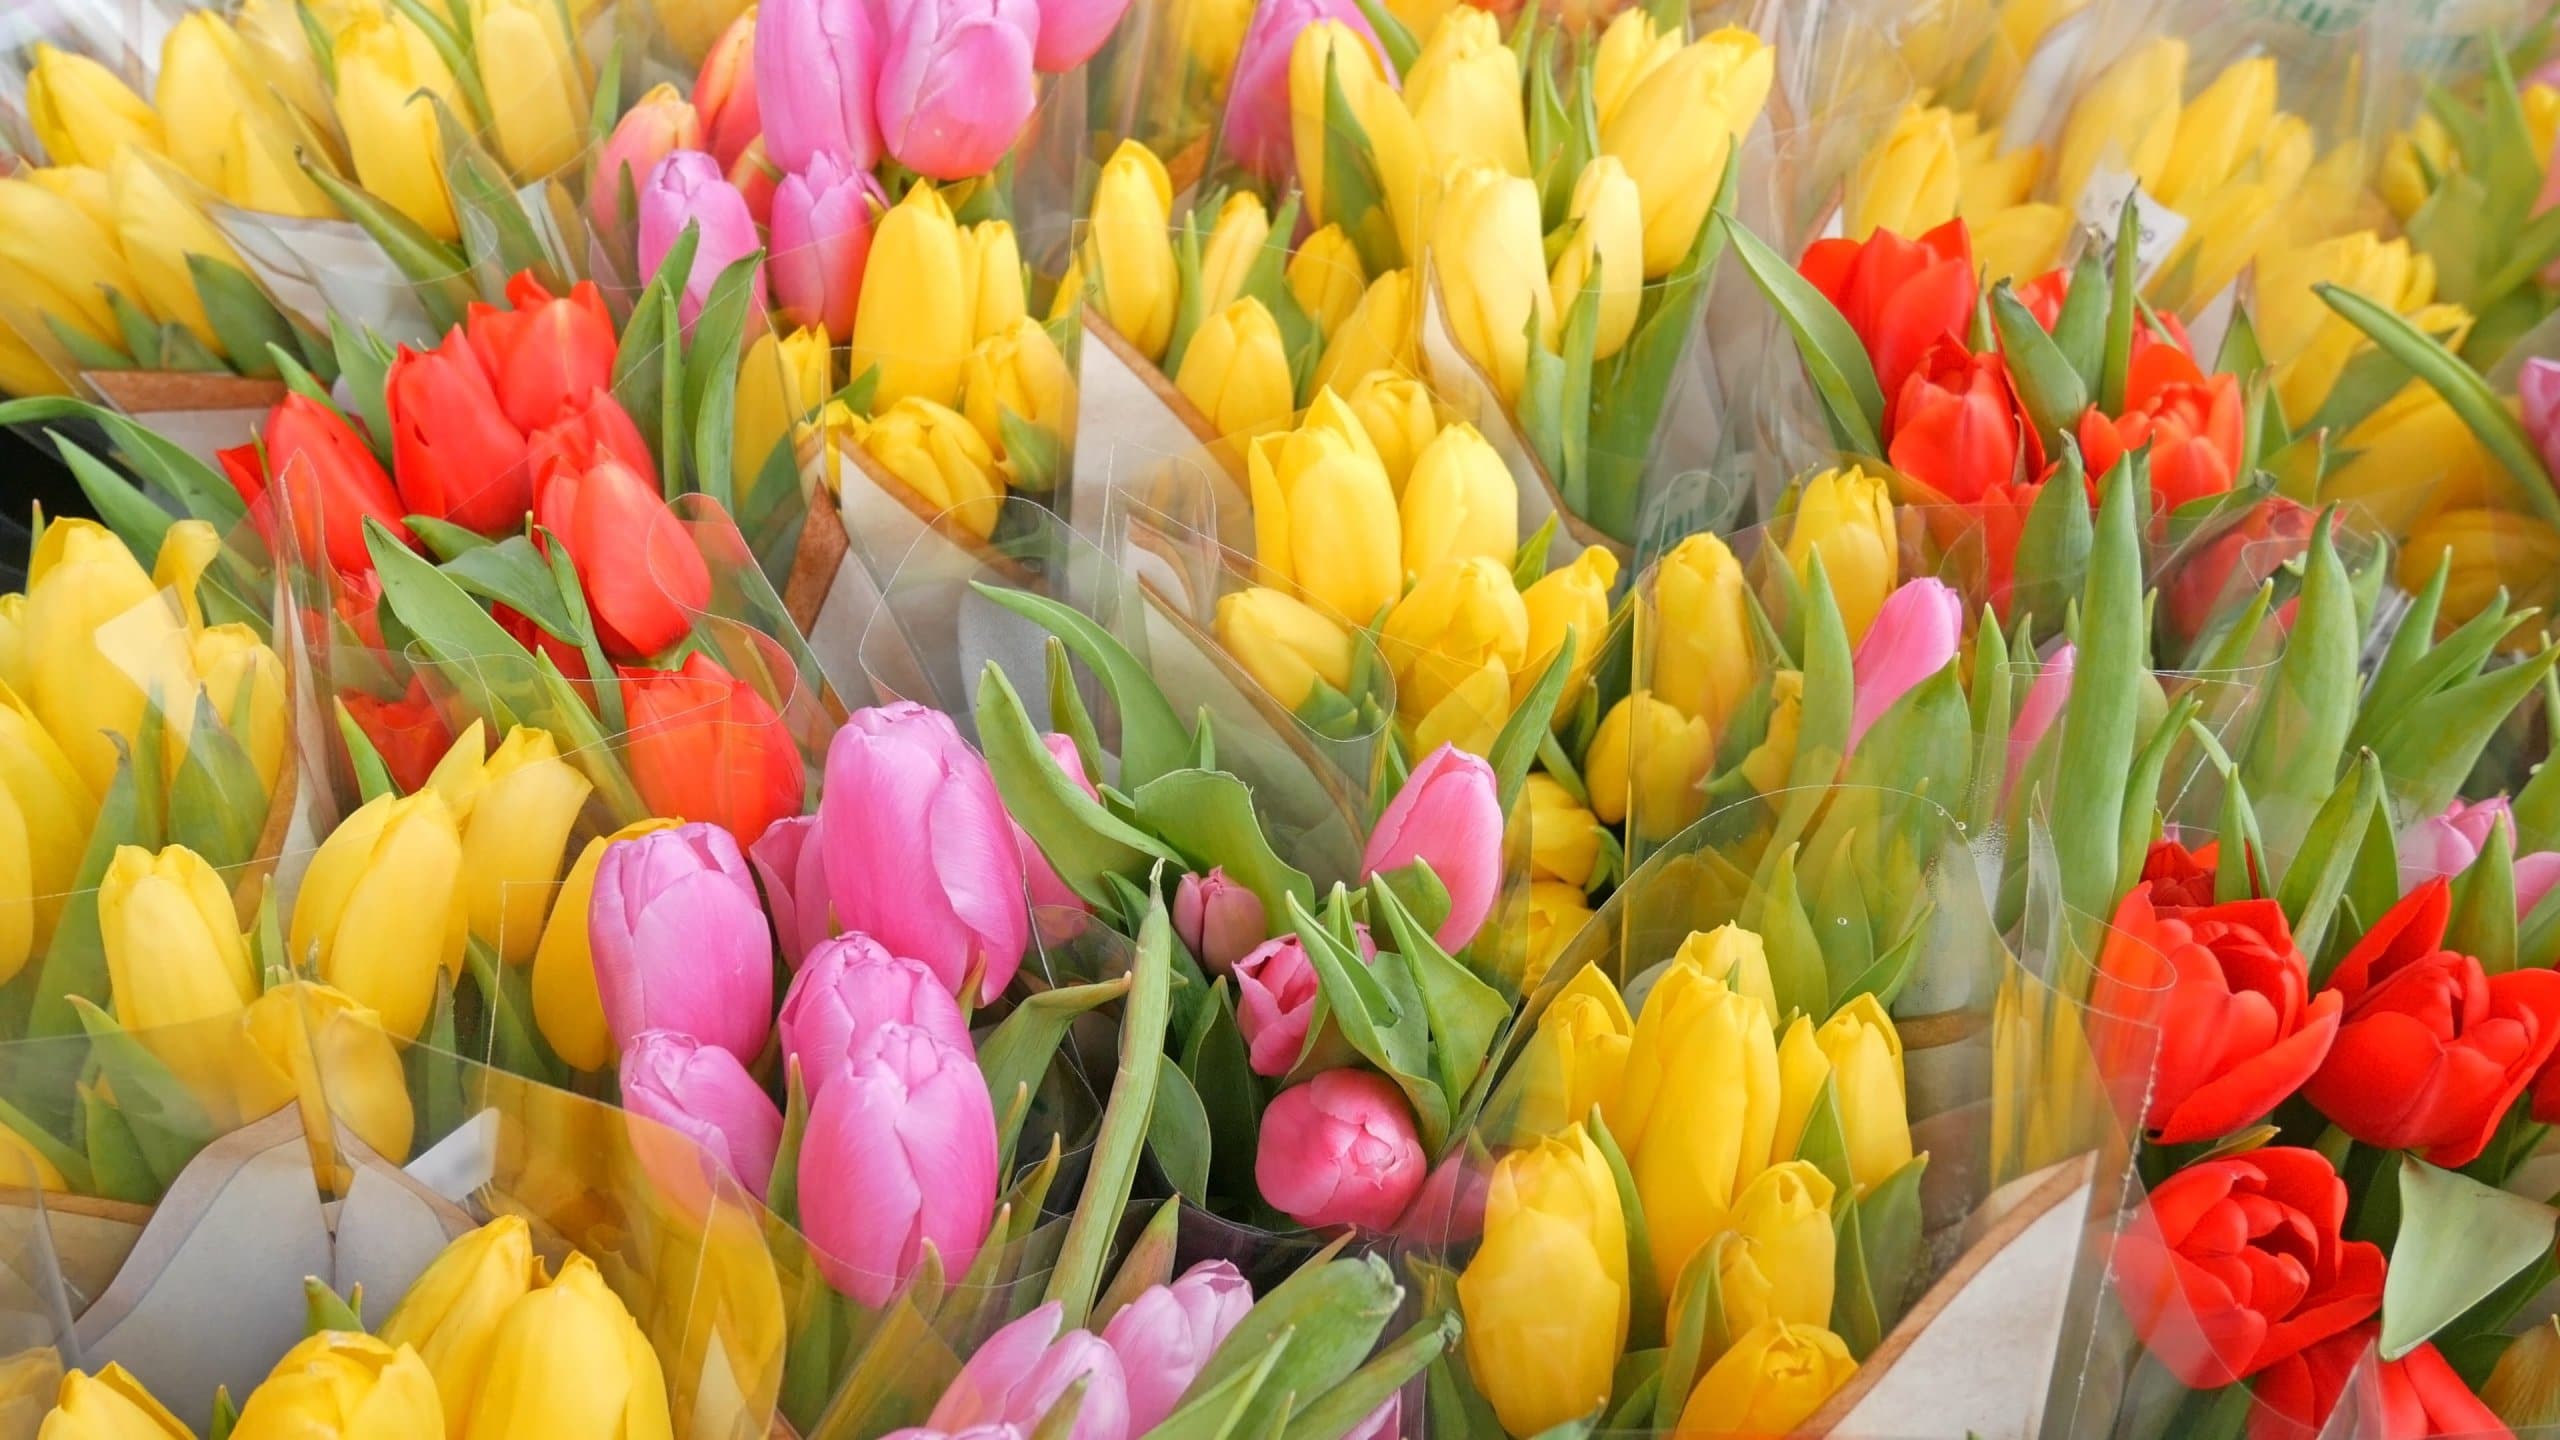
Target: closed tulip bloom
(383,63)
(1219,920)
(82,114)
(1378,335)
(1235,242)
(1285,645)
(452,1310)
(529,798)
(1569,600)
(344,1383)
(55,811)
(455,455)
(645,595)
(1564,837)
(110,1405)
(790,858)
(1465,94)
(941,457)
(816,64)
(821,239)
(330,483)
(1276,989)
(1772,1380)
(723,1122)
(849,988)
(1957,430)
(1025,1369)
(2022,240)
(991,267)
(906,1138)
(1070,31)
(724,94)
(1675,128)
(173,946)
(1324,517)
(2309,343)
(1447,814)
(1909,183)
(2193,423)
(573,1326)
(2538,392)
(1604,245)
(898,775)
(1847,515)
(158,228)
(547,355)
(1459,503)
(956,85)
(1128,253)
(1326,279)
(1645,766)
(1545,1297)
(100,637)
(219,114)
(781,381)
(1916,634)
(1256,128)
(1735,958)
(1393,142)
(1696,1037)
(2126,122)
(1782,1267)
(1021,372)
(397,858)
(1862,1055)
(61,259)
(679,940)
(310,1046)
(1492,268)
(566,1002)
(1632,48)
(1340,1150)
(1396,412)
(687,189)
(661,123)
(1237,371)
(1575,1059)
(917,319)
(1165,1337)
(1464,619)
(1902,296)
(1702,648)
(1557,913)
(529,71)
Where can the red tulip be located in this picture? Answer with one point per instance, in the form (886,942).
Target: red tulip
(2210,1005)
(643,578)
(454,453)
(2192,422)
(2179,876)
(546,355)
(331,483)
(572,662)
(2421,1394)
(724,95)
(409,733)
(600,429)
(758,180)
(2433,1051)
(1901,296)
(2237,1264)
(1955,426)
(2230,567)
(706,746)
(2043,296)
(357,600)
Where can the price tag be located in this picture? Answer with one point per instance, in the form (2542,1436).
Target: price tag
(2157,227)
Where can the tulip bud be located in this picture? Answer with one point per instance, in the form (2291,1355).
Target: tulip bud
(1128,254)
(1646,765)
(1909,184)
(173,945)
(1575,1059)
(1780,1264)
(646,601)
(110,1405)
(316,1048)
(846,991)
(1492,266)
(1847,515)
(1235,242)
(1325,278)
(661,123)
(1734,958)
(941,457)
(1702,647)
(1772,1380)
(573,1326)
(219,117)
(723,1122)
(102,643)
(688,190)
(1329,55)
(244,685)
(82,114)
(1557,914)
(383,61)
(1459,503)
(816,64)
(821,239)
(344,1383)
(1256,127)
(1396,413)
(1675,128)
(1916,635)
(2127,121)
(1455,643)
(1632,48)
(781,382)
(2217,133)
(956,85)
(527,800)
(1025,1369)
(529,71)
(1019,371)
(1237,371)
(1604,245)
(1447,814)
(905,1138)
(1219,920)
(397,858)
(54,812)
(452,1310)
(1286,646)
(724,97)
(680,940)
(566,1002)
(61,259)
(158,228)
(1564,837)
(1070,31)
(1340,1150)
(1324,517)
(1545,1297)
(456,455)
(1573,599)
(1860,1052)
(1465,95)
(1276,990)
(1166,1336)
(992,276)
(917,318)
(1696,1037)
(706,745)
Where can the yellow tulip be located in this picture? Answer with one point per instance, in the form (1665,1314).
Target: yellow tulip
(1564,836)
(1736,958)
(780,383)
(1989,178)
(1910,183)
(566,1005)
(1604,228)
(1847,516)
(1575,1059)
(59,261)
(2308,343)
(1459,503)
(1675,128)
(1464,92)
(2493,550)
(2022,241)
(452,1310)
(940,456)
(2217,131)
(1860,1052)
(992,260)
(1395,145)
(1128,252)
(2412,457)
(1397,413)
(1021,372)
(187,550)
(1698,1111)
(529,71)
(173,945)
(314,1047)
(1461,618)
(1557,913)
(23,1167)
(528,800)
(1212,33)
(1491,263)
(18,891)
(573,1326)
(159,228)
(2126,122)
(13,642)
(1645,766)
(1234,245)
(110,1405)
(1325,278)
(383,62)
(220,116)
(82,114)
(917,317)
(1772,1380)
(1702,646)
(1572,599)
(1632,48)
(344,1383)
(23,370)
(367,911)
(1237,371)
(280,50)
(55,811)
(244,687)
(1377,335)
(1285,645)
(2224,232)
(1324,517)
(695,25)
(2524,1387)
(1545,1297)
(1779,1264)
(1770,761)
(101,640)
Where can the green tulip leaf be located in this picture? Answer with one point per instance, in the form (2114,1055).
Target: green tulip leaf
(364,365)
(1515,747)
(2463,389)
(1698,1334)
(1993,702)
(2483,923)
(782,1187)
(2053,547)
(2458,1241)
(2142,788)
(902,1365)
(1841,926)
(138,522)
(1644,1285)
(1891,970)
(711,377)
(87,352)
(640,368)
(1078,834)
(1094,1230)
(1337,1409)
(437,272)
(75,964)
(1207,818)
(1830,693)
(115,1161)
(1825,1142)
(217,803)
(1464,1013)
(199,488)
(1355,194)
(1152,738)
(1797,972)
(2122,306)
(2440,738)
(168,1123)
(1017,1055)
(1178,1132)
(1637,382)
(1221,1070)
(2080,329)
(1148,1264)
(1218,1412)
(1878,1240)
(2373,882)
(2317,876)
(2100,719)
(2048,384)
(1059,1421)
(72,1164)
(2395,681)
(242,317)
(511,573)
(1332,1310)
(1833,355)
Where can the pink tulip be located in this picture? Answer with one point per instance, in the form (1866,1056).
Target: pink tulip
(956,84)
(1056,907)
(851,989)
(791,860)
(661,124)
(1219,920)
(1384,1423)
(2535,875)
(1276,999)
(900,1153)
(705,1096)
(816,64)
(680,942)
(2045,699)
(2446,844)
(1340,1150)
(1449,1209)
(821,237)
(1913,638)
(687,188)
(974,1432)
(1449,814)
(1025,1368)
(1070,31)
(724,93)
(1165,1337)
(920,854)
(1256,129)
(2538,386)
